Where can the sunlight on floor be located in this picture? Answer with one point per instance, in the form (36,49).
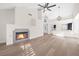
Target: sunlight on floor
(28,50)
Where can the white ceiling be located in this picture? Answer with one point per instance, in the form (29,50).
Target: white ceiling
(13,5)
(66,9)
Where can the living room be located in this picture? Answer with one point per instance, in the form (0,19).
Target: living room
(39,29)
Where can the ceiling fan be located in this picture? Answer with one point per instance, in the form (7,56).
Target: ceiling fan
(46,6)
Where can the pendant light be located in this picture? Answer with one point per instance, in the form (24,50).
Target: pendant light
(59,17)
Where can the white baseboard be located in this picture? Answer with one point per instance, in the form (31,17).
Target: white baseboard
(36,36)
(2,42)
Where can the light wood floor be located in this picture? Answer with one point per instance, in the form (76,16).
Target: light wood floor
(47,45)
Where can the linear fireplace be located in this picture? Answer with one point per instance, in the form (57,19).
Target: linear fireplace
(21,35)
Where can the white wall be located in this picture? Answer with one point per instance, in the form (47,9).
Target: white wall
(76,24)
(22,19)
(6,17)
(54,22)
(61,27)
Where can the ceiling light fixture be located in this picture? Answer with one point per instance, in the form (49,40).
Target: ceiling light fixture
(59,17)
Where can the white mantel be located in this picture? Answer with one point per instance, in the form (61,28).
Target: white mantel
(11,28)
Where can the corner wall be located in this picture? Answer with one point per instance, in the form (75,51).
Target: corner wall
(6,17)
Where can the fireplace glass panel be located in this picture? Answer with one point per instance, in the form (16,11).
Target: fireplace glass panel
(21,35)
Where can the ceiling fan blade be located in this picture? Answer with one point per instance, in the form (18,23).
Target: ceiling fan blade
(51,6)
(46,5)
(49,9)
(40,5)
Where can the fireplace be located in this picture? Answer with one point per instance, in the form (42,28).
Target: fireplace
(21,35)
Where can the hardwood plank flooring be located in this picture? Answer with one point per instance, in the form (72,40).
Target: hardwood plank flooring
(47,45)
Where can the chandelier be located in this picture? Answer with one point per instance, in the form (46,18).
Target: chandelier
(59,17)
